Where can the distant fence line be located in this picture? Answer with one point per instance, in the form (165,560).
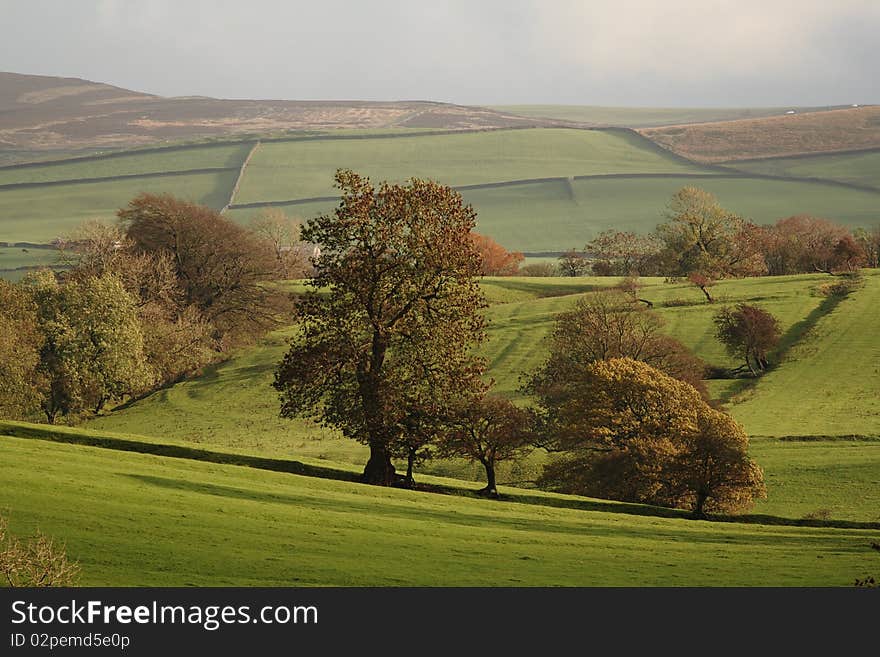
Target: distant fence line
(238,178)
(116,178)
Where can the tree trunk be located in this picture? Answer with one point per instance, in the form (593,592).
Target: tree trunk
(700,504)
(490,490)
(379,470)
(409,480)
(706,292)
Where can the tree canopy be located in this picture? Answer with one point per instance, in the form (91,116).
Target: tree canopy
(391,316)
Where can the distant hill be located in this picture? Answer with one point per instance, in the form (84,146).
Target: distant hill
(854,128)
(47,115)
(649,117)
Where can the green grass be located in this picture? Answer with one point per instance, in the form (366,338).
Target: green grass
(804,477)
(556,216)
(14,259)
(42,214)
(829,382)
(643,117)
(293,170)
(197,157)
(858,168)
(133,519)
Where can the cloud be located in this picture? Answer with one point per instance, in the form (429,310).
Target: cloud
(675,52)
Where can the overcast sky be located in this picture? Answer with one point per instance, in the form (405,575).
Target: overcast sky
(594,52)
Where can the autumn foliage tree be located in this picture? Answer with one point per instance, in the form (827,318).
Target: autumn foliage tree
(391,318)
(605,325)
(495,260)
(489,430)
(749,333)
(806,244)
(622,253)
(221,266)
(629,432)
(701,237)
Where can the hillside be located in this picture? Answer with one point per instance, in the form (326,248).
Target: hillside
(791,134)
(534,190)
(854,168)
(647,117)
(40,115)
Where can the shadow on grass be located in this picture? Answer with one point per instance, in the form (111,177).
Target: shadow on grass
(307,470)
(791,337)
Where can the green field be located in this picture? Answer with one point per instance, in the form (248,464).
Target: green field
(560,215)
(183,159)
(304,169)
(556,216)
(15,260)
(133,519)
(644,117)
(856,168)
(41,214)
(829,382)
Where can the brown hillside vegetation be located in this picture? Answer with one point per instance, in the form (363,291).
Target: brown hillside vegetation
(792,134)
(43,114)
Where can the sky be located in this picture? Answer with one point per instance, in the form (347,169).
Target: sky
(661,53)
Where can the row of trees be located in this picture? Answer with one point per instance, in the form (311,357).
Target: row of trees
(386,354)
(702,240)
(167,289)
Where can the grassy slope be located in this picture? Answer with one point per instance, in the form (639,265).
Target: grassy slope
(813,132)
(42,214)
(292,170)
(559,216)
(13,258)
(555,216)
(829,383)
(198,157)
(858,168)
(642,117)
(133,519)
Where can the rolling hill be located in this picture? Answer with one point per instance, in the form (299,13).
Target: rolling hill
(791,134)
(42,115)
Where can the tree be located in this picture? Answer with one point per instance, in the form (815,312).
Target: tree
(35,562)
(804,244)
(93,349)
(391,316)
(495,260)
(178,338)
(748,332)
(869,242)
(221,266)
(573,263)
(630,432)
(21,386)
(605,325)
(619,253)
(702,237)
(702,282)
(281,235)
(711,471)
(489,430)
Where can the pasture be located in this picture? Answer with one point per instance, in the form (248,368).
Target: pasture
(855,168)
(41,214)
(304,169)
(134,519)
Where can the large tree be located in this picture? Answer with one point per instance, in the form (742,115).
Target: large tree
(702,237)
(488,430)
(221,266)
(749,333)
(609,324)
(630,432)
(391,318)
(93,347)
(495,260)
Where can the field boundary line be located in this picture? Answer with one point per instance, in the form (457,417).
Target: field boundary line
(240,176)
(116,178)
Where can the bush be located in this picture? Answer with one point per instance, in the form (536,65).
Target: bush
(34,562)
(538,269)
